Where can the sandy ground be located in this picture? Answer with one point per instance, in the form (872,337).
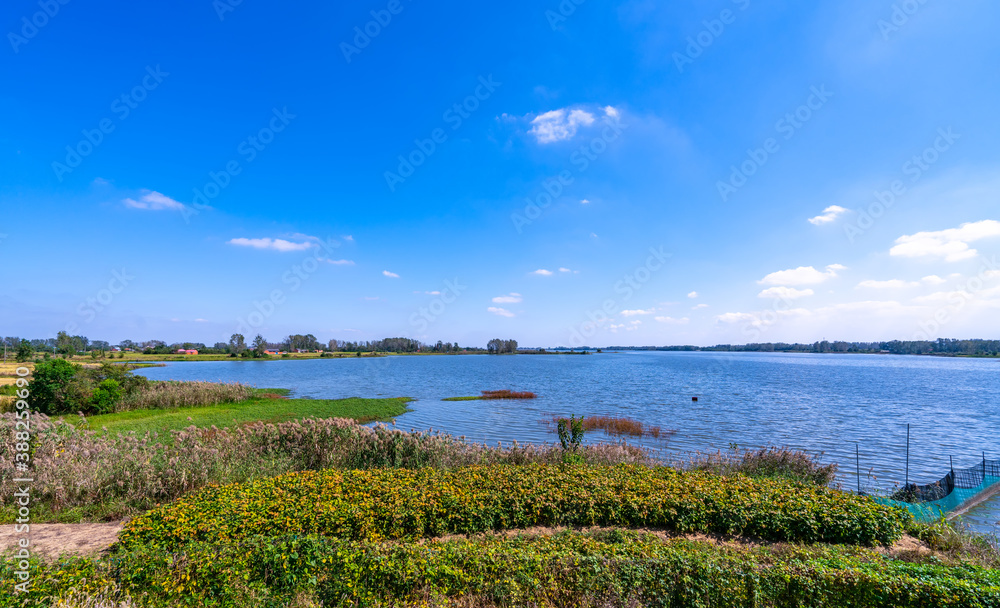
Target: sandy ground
(51,540)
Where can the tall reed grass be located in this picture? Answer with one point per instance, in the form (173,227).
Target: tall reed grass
(112,476)
(621,426)
(766,462)
(508,394)
(169,395)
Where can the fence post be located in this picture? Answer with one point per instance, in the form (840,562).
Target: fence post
(907,486)
(857,455)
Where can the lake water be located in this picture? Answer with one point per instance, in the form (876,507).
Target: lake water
(820,403)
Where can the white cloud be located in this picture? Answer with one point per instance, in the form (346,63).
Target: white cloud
(785,293)
(673,321)
(803,275)
(273,244)
(569,271)
(502,312)
(339,262)
(699,307)
(932,280)
(391,275)
(636,313)
(761,319)
(830,214)
(735,317)
(693,295)
(559,125)
(154,201)
(348,238)
(543,273)
(584,202)
(611,111)
(890,284)
(951,244)
(513,298)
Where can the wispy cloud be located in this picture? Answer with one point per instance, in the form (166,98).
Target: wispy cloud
(830,214)
(785,293)
(636,313)
(281,245)
(543,273)
(391,275)
(559,125)
(693,295)
(502,312)
(951,244)
(699,307)
(803,275)
(513,298)
(889,284)
(673,321)
(154,201)
(338,262)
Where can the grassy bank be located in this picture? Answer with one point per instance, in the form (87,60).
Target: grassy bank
(268,406)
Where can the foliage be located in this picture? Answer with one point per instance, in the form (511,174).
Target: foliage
(605,569)
(82,474)
(237,345)
(107,394)
(570,433)
(496,346)
(24,351)
(766,462)
(407,504)
(55,388)
(259,346)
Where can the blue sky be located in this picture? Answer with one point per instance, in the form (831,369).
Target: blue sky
(608,173)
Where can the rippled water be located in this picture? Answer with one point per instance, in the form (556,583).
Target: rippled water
(822,403)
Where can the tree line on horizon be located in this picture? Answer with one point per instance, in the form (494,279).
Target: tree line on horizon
(237,346)
(941,346)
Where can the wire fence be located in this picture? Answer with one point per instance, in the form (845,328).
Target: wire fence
(952,492)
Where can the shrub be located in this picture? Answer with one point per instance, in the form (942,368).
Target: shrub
(616,569)
(113,476)
(508,394)
(767,462)
(58,388)
(406,504)
(106,396)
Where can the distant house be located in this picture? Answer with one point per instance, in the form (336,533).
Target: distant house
(181,351)
(271,352)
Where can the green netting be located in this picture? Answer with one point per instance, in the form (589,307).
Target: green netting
(951,493)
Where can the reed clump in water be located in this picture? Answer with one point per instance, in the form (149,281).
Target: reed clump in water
(506,394)
(622,426)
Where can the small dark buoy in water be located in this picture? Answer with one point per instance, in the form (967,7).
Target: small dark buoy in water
(694,398)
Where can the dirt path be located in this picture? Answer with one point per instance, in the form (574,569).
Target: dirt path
(52,540)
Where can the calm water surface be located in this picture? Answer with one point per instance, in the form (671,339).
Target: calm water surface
(821,403)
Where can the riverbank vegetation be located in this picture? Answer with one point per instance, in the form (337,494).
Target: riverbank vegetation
(618,426)
(496,395)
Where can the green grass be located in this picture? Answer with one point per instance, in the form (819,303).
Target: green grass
(258,409)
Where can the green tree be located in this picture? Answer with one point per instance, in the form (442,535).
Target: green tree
(24,351)
(237,344)
(259,346)
(54,388)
